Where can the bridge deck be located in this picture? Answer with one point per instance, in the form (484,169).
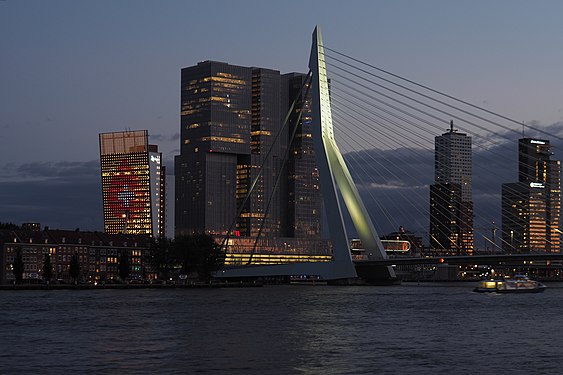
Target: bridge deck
(474,259)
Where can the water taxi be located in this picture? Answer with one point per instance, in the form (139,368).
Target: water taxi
(519,284)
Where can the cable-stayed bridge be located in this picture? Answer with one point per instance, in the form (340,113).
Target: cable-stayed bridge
(385,125)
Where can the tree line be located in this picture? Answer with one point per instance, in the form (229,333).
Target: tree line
(196,254)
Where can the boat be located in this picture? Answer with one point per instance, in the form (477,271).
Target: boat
(518,284)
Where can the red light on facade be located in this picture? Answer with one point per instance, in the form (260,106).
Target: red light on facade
(125,191)
(237,233)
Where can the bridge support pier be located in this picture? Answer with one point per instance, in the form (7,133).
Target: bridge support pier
(376,274)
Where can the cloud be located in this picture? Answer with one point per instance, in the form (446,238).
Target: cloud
(164,137)
(391,185)
(556,129)
(62,195)
(394,184)
(50,171)
(533,129)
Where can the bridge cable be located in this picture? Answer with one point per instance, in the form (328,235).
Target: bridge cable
(333,92)
(261,168)
(382,166)
(440,93)
(285,159)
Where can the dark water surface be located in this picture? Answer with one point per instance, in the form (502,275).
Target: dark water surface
(408,329)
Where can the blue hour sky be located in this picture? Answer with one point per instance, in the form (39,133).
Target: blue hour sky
(72,69)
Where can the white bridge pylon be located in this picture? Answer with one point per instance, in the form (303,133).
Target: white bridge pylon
(334,172)
(334,177)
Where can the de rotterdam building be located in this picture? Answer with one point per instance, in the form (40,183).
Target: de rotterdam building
(233,134)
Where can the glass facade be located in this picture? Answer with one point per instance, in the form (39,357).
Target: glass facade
(232,125)
(445,212)
(263,211)
(132,184)
(304,194)
(531,207)
(214,138)
(451,202)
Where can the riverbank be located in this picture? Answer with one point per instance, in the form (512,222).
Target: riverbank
(195,285)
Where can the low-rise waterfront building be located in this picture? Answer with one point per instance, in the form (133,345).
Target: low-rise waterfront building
(98,254)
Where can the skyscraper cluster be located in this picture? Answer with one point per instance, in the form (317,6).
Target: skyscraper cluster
(531,207)
(247,173)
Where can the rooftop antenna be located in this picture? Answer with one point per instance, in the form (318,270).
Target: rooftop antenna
(523,130)
(452,126)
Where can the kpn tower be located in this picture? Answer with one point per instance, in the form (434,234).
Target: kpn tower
(133,184)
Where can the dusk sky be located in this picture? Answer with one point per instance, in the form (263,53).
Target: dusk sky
(70,70)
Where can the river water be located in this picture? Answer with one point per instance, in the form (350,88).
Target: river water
(407,329)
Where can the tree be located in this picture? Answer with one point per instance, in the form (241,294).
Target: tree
(124,267)
(200,253)
(47,268)
(212,258)
(10,226)
(161,256)
(17,266)
(74,268)
(185,254)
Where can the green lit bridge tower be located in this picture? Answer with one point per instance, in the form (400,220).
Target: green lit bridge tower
(335,178)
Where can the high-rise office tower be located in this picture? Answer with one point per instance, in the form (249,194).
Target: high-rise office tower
(133,184)
(303,194)
(232,134)
(451,205)
(445,201)
(531,207)
(214,162)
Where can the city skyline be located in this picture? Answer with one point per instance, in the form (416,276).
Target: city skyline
(48,162)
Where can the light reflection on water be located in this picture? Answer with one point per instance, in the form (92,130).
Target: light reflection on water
(428,329)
